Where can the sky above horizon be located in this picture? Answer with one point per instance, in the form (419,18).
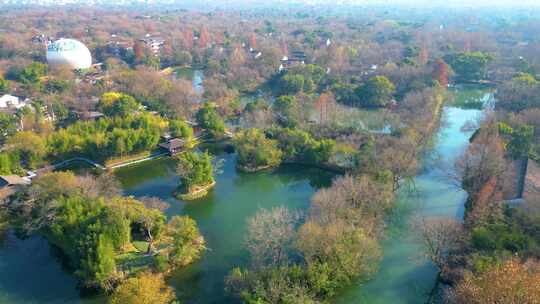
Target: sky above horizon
(464,3)
(414,3)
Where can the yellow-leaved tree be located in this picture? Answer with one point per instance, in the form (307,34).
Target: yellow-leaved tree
(147,288)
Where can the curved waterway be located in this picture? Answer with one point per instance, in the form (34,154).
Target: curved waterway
(31,272)
(405,276)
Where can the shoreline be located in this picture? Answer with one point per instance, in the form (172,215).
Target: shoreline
(198,193)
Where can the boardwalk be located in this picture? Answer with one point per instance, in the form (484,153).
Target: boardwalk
(102,167)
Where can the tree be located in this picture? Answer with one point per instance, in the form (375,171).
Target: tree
(187,38)
(399,157)
(204,38)
(440,237)
(89,233)
(29,146)
(4,85)
(195,170)
(139,51)
(146,288)
(181,129)
(208,118)
(521,142)
(8,125)
(483,160)
(151,222)
(323,103)
(182,58)
(187,244)
(10,164)
(376,92)
(509,282)
(337,254)
(270,236)
(358,201)
(118,104)
(252,40)
(440,72)
(287,109)
(255,150)
(282,284)
(33,72)
(470,66)
(298,145)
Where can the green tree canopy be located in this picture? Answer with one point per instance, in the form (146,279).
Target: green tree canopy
(195,169)
(376,92)
(33,72)
(4,85)
(180,128)
(118,104)
(187,242)
(208,118)
(29,146)
(469,66)
(255,150)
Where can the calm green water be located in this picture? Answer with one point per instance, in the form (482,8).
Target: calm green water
(222,214)
(405,276)
(30,271)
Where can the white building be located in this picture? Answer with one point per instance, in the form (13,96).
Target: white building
(9,101)
(70,53)
(12,102)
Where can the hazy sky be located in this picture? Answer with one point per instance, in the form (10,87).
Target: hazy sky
(521,3)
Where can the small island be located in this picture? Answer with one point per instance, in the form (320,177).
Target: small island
(255,151)
(196,175)
(106,238)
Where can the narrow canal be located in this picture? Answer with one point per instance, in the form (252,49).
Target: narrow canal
(404,275)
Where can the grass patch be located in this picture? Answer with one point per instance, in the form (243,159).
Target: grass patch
(133,262)
(141,246)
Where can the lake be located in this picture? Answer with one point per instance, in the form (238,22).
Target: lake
(31,272)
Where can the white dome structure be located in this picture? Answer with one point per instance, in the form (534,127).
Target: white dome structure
(68,52)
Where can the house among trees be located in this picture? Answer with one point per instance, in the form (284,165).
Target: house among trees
(10,183)
(88,115)
(119,46)
(154,44)
(173,145)
(296,58)
(11,102)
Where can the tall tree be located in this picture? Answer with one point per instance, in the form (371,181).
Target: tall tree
(204,38)
(440,72)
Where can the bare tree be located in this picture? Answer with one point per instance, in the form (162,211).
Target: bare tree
(153,202)
(270,235)
(439,237)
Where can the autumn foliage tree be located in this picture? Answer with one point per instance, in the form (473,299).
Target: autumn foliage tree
(138,50)
(253,41)
(323,104)
(204,38)
(188,38)
(440,72)
(144,289)
(511,282)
